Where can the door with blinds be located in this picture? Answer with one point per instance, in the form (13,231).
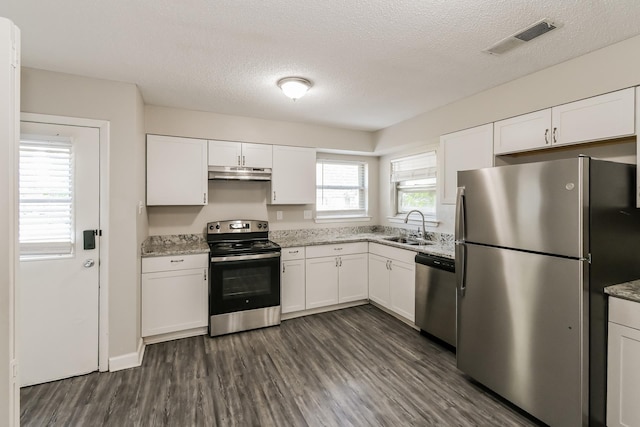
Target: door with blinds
(59,190)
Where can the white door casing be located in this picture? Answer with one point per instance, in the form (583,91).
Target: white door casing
(59,308)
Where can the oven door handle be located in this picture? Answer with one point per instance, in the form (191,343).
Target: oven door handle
(245,257)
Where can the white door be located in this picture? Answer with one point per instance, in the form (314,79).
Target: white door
(59,200)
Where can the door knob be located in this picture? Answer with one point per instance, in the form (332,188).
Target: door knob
(89,263)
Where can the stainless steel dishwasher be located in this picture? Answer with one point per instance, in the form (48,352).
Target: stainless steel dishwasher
(436,297)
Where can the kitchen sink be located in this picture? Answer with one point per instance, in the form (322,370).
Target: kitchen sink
(406,241)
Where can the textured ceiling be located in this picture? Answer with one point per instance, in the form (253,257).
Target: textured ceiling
(373,62)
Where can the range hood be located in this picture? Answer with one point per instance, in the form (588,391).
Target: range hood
(239,173)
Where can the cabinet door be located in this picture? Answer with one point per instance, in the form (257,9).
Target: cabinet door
(402,288)
(292,280)
(522,133)
(602,117)
(257,155)
(379,280)
(464,150)
(293,178)
(623,376)
(321,282)
(174,301)
(225,153)
(352,278)
(176,171)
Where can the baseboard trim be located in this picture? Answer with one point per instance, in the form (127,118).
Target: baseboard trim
(302,313)
(129,360)
(176,335)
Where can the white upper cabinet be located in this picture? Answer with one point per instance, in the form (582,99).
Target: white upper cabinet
(521,133)
(464,150)
(293,178)
(607,116)
(176,171)
(243,154)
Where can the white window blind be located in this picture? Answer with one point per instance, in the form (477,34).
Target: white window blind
(46,197)
(414,180)
(341,188)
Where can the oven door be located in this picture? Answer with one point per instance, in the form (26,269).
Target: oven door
(244,282)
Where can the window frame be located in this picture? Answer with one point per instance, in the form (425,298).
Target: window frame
(30,249)
(431,173)
(362,188)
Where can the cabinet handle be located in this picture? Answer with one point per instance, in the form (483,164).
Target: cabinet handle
(205,275)
(177,260)
(555,134)
(283,268)
(390,264)
(340,261)
(204,198)
(337,249)
(293,252)
(274,195)
(238,160)
(387,265)
(243,161)
(336,261)
(546,136)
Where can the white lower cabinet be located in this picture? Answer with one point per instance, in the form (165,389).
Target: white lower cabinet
(392,279)
(292,280)
(336,274)
(174,293)
(623,369)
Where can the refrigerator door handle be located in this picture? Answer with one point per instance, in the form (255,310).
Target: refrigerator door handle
(461,268)
(460,220)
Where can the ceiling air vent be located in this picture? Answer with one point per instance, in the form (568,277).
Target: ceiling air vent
(521,37)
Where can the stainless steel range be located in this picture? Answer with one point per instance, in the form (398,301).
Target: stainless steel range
(244,277)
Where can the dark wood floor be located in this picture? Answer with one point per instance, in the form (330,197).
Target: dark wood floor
(353,367)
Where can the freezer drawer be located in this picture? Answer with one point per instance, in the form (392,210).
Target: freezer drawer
(521,329)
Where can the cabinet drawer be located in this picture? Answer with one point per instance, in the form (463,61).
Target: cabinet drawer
(175,262)
(288,254)
(403,255)
(624,312)
(332,250)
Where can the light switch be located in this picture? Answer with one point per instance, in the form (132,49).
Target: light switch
(140,207)
(307,214)
(279,215)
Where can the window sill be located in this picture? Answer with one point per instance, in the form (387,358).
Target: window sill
(328,219)
(430,221)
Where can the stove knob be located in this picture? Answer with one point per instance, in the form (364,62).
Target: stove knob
(264,226)
(217,226)
(259,225)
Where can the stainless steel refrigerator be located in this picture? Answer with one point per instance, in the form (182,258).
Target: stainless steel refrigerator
(535,246)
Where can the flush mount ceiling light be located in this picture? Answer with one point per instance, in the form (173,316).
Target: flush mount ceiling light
(294,87)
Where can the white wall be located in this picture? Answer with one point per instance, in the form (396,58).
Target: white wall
(248,200)
(198,124)
(9,116)
(53,93)
(605,70)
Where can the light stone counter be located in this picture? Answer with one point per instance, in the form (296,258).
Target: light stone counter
(627,290)
(184,244)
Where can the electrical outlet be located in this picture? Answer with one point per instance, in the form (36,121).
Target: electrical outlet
(307,214)
(279,215)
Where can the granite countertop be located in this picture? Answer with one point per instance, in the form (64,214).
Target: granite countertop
(438,248)
(177,244)
(184,244)
(627,290)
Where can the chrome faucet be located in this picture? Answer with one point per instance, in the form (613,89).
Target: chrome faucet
(424,231)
